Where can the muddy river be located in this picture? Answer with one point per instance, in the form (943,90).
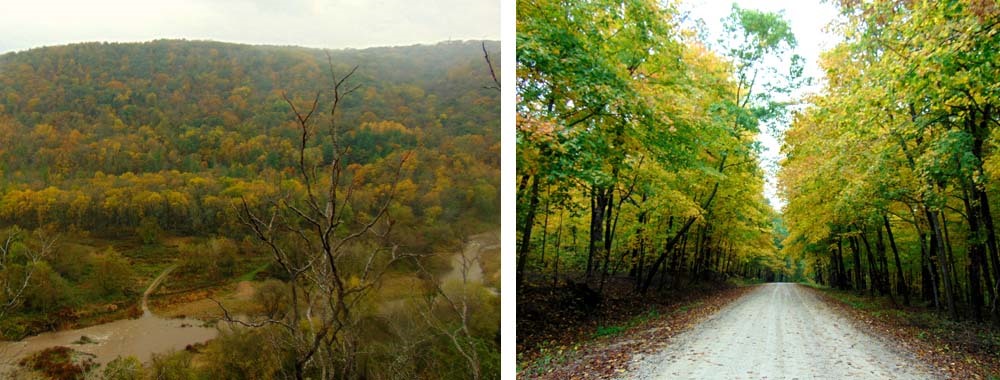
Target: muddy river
(140,337)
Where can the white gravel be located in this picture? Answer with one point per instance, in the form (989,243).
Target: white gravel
(778,331)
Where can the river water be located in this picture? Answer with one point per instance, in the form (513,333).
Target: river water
(141,337)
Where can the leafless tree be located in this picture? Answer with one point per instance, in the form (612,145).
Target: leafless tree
(16,274)
(13,286)
(457,304)
(493,73)
(332,259)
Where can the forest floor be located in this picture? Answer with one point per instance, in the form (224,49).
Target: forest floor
(571,332)
(961,350)
(780,330)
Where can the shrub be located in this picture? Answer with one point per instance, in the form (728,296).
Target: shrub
(124,368)
(173,366)
(112,275)
(59,363)
(272,296)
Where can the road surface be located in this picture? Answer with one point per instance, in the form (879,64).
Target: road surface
(778,331)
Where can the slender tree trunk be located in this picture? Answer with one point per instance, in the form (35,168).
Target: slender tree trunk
(842,279)
(939,252)
(883,264)
(875,285)
(555,261)
(671,244)
(901,285)
(529,222)
(950,254)
(928,272)
(545,227)
(598,206)
(859,277)
(609,231)
(994,256)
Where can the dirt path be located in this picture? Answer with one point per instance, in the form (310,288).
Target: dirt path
(152,287)
(778,331)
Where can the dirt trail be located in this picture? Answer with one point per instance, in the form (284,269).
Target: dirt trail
(778,331)
(152,287)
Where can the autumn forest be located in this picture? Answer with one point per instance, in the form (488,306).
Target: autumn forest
(640,191)
(243,182)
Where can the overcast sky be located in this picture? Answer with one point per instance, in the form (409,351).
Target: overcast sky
(808,19)
(26,24)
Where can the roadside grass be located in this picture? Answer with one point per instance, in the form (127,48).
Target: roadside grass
(548,359)
(637,320)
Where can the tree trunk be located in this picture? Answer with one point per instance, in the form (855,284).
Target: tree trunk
(939,252)
(545,227)
(883,264)
(842,279)
(976,259)
(598,205)
(555,261)
(901,286)
(950,254)
(859,279)
(609,231)
(671,244)
(529,221)
(980,131)
(874,284)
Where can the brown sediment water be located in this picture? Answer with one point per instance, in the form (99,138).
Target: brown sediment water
(141,337)
(465,265)
(465,270)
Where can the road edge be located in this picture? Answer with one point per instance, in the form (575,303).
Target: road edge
(610,357)
(916,350)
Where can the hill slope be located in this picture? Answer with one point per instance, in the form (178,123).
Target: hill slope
(102,136)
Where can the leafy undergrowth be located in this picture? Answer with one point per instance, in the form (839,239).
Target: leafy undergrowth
(961,350)
(59,363)
(571,332)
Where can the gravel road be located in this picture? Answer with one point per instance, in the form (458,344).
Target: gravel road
(778,331)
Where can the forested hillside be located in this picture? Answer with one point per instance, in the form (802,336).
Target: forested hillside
(333,213)
(101,136)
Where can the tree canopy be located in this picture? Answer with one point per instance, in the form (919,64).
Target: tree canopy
(899,149)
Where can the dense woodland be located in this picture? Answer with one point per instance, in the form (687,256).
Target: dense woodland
(637,153)
(134,145)
(639,176)
(101,136)
(891,172)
